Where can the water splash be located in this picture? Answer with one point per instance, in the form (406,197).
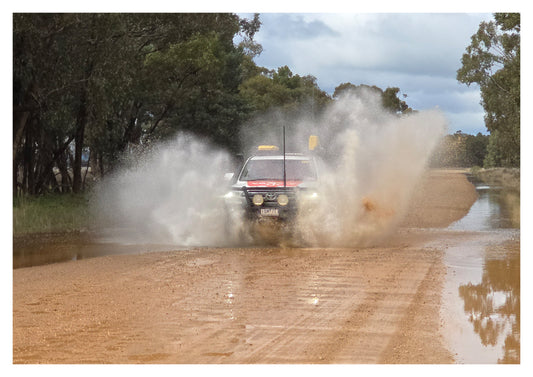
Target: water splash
(170,195)
(366,187)
(370,163)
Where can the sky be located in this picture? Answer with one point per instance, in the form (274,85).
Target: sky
(419,53)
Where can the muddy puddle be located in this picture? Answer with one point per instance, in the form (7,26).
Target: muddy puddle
(481,300)
(40,249)
(496,208)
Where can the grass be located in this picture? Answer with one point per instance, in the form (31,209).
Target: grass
(50,213)
(505,177)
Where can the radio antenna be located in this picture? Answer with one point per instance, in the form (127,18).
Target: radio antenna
(284,168)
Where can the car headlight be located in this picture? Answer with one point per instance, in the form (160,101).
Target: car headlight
(258,199)
(283,200)
(233,197)
(310,198)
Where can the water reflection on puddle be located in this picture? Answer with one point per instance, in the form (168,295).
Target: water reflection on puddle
(482,301)
(481,304)
(495,208)
(41,249)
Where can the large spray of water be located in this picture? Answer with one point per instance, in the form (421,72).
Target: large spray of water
(369,176)
(370,162)
(169,195)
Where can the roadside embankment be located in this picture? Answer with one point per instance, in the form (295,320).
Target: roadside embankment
(504,177)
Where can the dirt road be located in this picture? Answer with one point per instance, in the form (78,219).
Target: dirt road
(249,305)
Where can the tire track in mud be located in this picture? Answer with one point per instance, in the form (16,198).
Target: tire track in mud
(241,306)
(404,348)
(329,333)
(352,328)
(274,338)
(387,317)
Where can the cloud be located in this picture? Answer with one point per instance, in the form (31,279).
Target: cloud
(408,43)
(295,26)
(419,53)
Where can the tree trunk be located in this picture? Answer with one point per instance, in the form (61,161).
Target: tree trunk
(86,171)
(53,160)
(19,125)
(80,133)
(101,165)
(65,177)
(15,176)
(78,143)
(29,174)
(77,183)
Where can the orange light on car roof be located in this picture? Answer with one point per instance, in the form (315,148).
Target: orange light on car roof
(267,148)
(313,142)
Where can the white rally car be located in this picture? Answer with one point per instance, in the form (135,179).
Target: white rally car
(273,185)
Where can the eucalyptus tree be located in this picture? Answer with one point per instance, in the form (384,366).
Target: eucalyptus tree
(100,82)
(282,89)
(492,61)
(389,97)
(50,79)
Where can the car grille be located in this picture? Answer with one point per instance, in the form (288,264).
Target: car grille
(270,195)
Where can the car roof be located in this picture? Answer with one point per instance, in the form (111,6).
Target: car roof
(288,156)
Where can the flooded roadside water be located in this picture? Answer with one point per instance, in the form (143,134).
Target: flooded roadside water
(40,249)
(481,300)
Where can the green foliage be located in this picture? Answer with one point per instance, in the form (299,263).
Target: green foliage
(389,96)
(393,103)
(495,151)
(476,149)
(283,90)
(493,61)
(106,81)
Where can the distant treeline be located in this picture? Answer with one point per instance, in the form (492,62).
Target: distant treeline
(461,150)
(89,87)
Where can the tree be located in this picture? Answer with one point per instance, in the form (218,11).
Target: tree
(50,87)
(283,90)
(476,149)
(493,62)
(389,96)
(393,103)
(99,82)
(461,150)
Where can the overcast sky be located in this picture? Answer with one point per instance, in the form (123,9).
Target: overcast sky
(419,53)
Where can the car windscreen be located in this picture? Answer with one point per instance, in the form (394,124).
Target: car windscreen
(300,170)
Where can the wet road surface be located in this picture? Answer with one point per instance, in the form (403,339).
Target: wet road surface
(420,298)
(233,306)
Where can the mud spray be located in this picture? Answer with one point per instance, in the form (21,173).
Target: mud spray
(370,162)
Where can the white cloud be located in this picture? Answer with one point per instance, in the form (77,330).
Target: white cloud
(419,53)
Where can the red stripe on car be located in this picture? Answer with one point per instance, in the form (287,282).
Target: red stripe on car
(275,183)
